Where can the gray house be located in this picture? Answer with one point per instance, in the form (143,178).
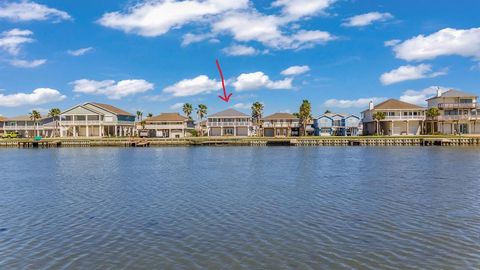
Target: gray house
(229,123)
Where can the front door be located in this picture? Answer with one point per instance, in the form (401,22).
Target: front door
(463,128)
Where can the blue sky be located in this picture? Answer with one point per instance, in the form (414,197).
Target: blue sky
(155,55)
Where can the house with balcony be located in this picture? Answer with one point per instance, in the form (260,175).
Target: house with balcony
(337,124)
(167,125)
(458,113)
(229,123)
(401,118)
(281,125)
(96,120)
(28,128)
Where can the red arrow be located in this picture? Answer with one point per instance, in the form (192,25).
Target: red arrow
(225,97)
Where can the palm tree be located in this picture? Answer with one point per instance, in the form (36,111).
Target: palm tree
(378,116)
(305,115)
(327,111)
(201,113)
(139,115)
(35,116)
(187,110)
(257,112)
(150,115)
(55,114)
(143,123)
(431,113)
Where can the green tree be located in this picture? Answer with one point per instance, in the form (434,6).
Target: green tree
(201,113)
(139,115)
(187,110)
(257,113)
(305,115)
(378,116)
(327,111)
(431,114)
(35,116)
(150,115)
(54,113)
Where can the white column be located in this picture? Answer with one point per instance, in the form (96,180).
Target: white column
(116,131)
(86,126)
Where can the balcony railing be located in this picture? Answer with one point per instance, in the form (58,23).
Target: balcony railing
(281,125)
(13,128)
(165,126)
(457,117)
(229,124)
(405,117)
(93,123)
(457,105)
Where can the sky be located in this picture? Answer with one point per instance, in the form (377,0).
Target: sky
(156,55)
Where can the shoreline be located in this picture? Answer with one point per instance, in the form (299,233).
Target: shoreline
(247,141)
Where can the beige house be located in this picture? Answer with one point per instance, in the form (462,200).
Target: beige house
(281,125)
(167,125)
(229,123)
(401,118)
(27,128)
(458,113)
(96,120)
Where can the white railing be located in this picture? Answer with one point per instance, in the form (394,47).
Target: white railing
(457,117)
(280,125)
(93,122)
(457,105)
(229,124)
(164,126)
(13,128)
(405,117)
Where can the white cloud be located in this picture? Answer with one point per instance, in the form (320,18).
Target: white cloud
(28,64)
(238,50)
(176,106)
(407,73)
(11,41)
(257,80)
(300,8)
(367,19)
(448,41)
(37,97)
(295,70)
(420,97)
(155,18)
(80,52)
(236,18)
(355,103)
(112,89)
(242,106)
(190,87)
(30,11)
(391,43)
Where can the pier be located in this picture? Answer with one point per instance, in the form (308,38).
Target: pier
(247,141)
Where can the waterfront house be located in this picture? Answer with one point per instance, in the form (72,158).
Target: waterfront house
(28,128)
(337,124)
(229,123)
(400,118)
(97,120)
(458,113)
(281,125)
(2,123)
(167,125)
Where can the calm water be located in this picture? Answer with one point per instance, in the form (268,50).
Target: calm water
(240,208)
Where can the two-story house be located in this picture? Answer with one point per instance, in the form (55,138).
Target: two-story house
(28,128)
(167,125)
(337,124)
(281,125)
(97,120)
(400,118)
(458,112)
(229,123)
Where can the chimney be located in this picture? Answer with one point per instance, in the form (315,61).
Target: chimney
(439,92)
(370,105)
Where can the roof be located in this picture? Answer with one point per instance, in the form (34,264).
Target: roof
(2,118)
(229,113)
(19,118)
(330,115)
(281,116)
(174,117)
(394,104)
(111,109)
(454,93)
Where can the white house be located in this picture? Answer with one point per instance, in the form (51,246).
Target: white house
(229,123)
(167,125)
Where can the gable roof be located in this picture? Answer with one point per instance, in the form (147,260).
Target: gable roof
(229,113)
(110,108)
(394,104)
(167,117)
(454,93)
(2,118)
(280,116)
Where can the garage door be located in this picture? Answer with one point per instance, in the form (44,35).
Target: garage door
(215,132)
(242,131)
(269,132)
